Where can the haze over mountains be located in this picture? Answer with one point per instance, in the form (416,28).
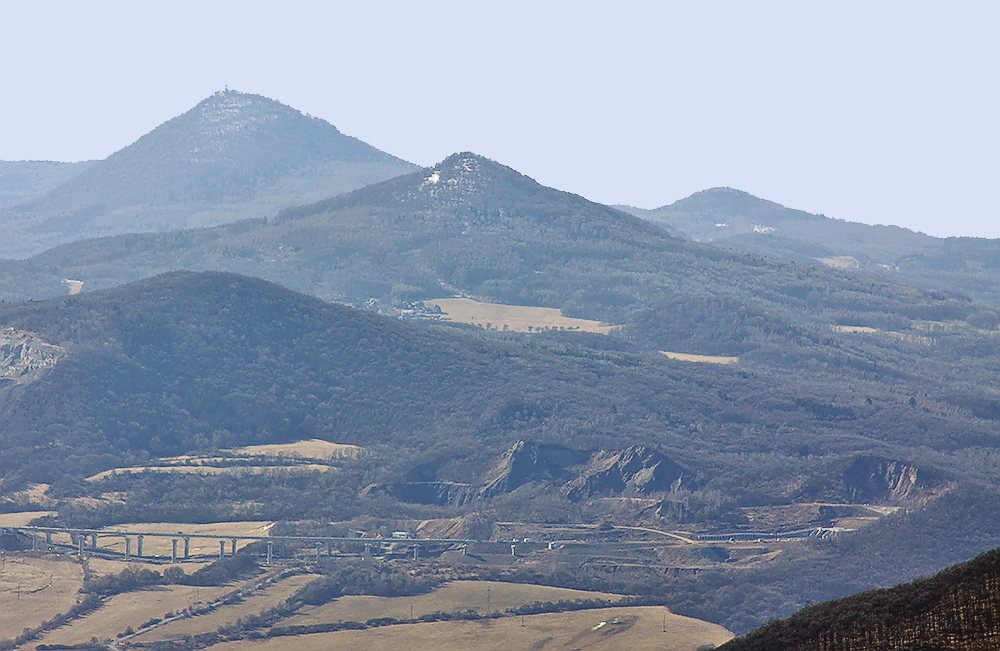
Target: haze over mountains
(735,219)
(233,156)
(849,388)
(22,181)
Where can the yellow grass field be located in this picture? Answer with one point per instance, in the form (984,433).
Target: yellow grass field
(213,470)
(131,609)
(101,566)
(271,596)
(515,318)
(316,449)
(610,629)
(157,546)
(703,359)
(452,597)
(33,590)
(22,519)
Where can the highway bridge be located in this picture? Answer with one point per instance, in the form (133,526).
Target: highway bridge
(86,541)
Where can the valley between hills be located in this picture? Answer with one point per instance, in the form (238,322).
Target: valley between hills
(262,385)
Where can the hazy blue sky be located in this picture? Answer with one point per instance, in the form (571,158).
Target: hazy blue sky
(882,112)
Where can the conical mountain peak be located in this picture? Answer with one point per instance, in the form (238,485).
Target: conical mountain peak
(234,155)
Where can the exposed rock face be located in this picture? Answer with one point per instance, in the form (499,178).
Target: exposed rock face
(635,469)
(875,479)
(528,462)
(578,474)
(441,493)
(24,356)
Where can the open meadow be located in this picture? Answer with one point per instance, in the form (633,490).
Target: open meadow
(515,318)
(22,518)
(611,629)
(455,596)
(33,590)
(261,600)
(132,609)
(703,359)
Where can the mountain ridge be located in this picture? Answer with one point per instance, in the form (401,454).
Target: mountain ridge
(737,220)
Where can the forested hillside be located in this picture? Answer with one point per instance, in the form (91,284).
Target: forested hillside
(957,609)
(198,362)
(22,181)
(473,227)
(232,156)
(737,220)
(191,361)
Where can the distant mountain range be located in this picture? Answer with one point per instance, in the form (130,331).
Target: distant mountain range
(735,219)
(231,157)
(22,181)
(805,366)
(470,226)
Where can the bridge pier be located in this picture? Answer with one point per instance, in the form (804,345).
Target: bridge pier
(368,550)
(465,550)
(34,542)
(187,548)
(233,540)
(416,552)
(222,548)
(329,548)
(128,548)
(173,551)
(318,547)
(93,542)
(270,551)
(48,538)
(138,551)
(80,539)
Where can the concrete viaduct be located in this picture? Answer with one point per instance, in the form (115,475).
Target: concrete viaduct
(84,536)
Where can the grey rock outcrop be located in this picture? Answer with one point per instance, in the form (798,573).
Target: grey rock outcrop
(440,493)
(636,469)
(24,356)
(528,462)
(876,479)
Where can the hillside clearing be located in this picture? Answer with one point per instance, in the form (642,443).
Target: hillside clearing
(455,596)
(131,609)
(253,605)
(902,336)
(33,590)
(317,449)
(841,262)
(703,359)
(609,629)
(514,318)
(23,518)
(212,470)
